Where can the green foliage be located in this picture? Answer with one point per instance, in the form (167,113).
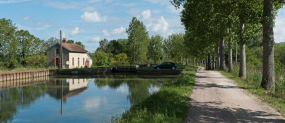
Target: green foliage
(48,43)
(39,62)
(103,46)
(155,49)
(175,48)
(254,57)
(138,41)
(169,104)
(75,42)
(16,46)
(124,44)
(122,57)
(101,58)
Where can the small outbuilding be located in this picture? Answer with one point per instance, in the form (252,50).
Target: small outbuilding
(74,56)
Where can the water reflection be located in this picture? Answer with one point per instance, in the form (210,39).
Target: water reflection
(73,99)
(18,95)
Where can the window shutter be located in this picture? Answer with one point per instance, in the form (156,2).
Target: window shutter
(54,61)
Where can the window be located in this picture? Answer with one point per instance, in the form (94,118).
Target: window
(72,61)
(83,61)
(57,51)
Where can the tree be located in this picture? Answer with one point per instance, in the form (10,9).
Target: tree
(9,44)
(174,47)
(70,41)
(103,45)
(268,75)
(122,57)
(48,43)
(77,42)
(155,48)
(101,58)
(124,44)
(138,41)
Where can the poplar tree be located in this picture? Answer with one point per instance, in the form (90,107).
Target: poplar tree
(138,41)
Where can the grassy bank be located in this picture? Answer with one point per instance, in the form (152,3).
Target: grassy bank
(22,69)
(252,84)
(169,104)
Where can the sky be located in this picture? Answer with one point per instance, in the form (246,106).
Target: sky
(90,21)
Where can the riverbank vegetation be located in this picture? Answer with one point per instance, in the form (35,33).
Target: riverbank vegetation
(169,104)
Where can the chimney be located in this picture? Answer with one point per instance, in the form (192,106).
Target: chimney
(64,40)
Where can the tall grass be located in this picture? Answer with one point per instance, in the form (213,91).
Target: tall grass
(253,81)
(169,104)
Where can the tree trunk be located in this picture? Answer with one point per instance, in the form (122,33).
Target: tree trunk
(268,75)
(209,61)
(217,58)
(242,58)
(230,55)
(213,58)
(222,54)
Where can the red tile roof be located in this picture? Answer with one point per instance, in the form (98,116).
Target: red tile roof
(74,47)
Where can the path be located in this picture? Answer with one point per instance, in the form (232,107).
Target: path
(217,99)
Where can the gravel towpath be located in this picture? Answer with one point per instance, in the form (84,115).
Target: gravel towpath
(216,98)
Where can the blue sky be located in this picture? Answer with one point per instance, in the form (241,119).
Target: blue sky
(89,21)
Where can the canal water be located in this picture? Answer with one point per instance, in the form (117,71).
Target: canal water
(74,99)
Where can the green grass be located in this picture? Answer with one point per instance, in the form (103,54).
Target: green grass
(252,84)
(23,69)
(169,104)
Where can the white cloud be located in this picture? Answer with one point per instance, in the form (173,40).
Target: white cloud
(94,39)
(26,18)
(115,32)
(146,14)
(12,1)
(106,33)
(161,26)
(118,31)
(74,32)
(93,17)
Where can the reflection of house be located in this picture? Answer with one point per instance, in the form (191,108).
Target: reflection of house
(74,56)
(66,88)
(75,84)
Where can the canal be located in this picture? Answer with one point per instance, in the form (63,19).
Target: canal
(74,99)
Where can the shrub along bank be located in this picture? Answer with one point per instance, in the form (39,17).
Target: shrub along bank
(169,104)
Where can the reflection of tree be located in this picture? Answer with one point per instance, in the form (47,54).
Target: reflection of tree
(20,97)
(139,90)
(138,87)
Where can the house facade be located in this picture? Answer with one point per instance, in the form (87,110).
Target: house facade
(74,56)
